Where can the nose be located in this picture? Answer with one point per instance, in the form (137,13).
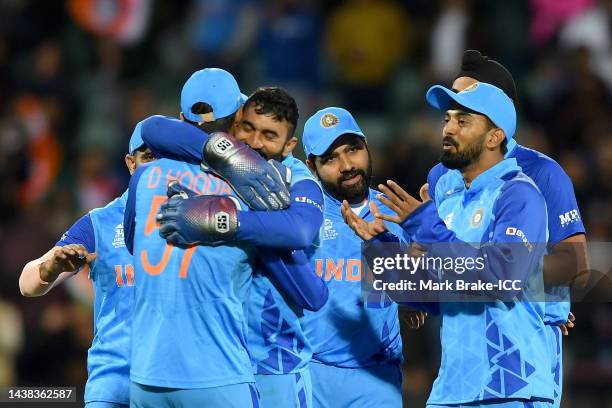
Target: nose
(345,164)
(450,128)
(255,141)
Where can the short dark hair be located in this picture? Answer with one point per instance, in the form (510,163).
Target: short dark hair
(218,125)
(276,101)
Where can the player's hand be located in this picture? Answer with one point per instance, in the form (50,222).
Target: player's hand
(175,189)
(424,192)
(398,201)
(364,229)
(565,327)
(414,319)
(209,220)
(263,185)
(69,258)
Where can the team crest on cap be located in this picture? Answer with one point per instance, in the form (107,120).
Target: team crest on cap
(329,120)
(471,87)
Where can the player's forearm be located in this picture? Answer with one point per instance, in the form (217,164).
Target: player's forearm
(291,272)
(294,228)
(37,279)
(566,261)
(170,138)
(30,282)
(491,263)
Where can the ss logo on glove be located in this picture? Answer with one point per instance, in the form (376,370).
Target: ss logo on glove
(222,222)
(222,145)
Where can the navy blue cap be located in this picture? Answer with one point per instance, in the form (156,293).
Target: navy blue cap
(324,127)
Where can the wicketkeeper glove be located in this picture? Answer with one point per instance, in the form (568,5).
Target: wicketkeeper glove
(263,185)
(205,219)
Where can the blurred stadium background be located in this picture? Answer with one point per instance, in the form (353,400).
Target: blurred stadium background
(75,77)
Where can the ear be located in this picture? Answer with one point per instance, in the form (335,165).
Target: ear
(312,168)
(289,146)
(495,139)
(130,162)
(238,117)
(181,116)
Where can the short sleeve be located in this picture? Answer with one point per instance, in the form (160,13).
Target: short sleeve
(81,232)
(564,218)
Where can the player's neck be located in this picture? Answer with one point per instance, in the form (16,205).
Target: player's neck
(484,163)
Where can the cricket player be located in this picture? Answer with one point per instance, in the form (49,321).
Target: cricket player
(280,351)
(566,231)
(189,325)
(494,354)
(95,243)
(355,336)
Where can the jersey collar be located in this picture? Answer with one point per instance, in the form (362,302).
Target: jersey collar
(496,172)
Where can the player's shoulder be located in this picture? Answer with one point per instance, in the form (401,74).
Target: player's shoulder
(537,165)
(117,204)
(299,169)
(519,186)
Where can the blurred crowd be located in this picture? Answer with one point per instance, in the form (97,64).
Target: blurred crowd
(77,75)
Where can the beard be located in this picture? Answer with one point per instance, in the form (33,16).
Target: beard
(461,159)
(355,193)
(278,156)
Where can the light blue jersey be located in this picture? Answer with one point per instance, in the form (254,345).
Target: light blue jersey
(277,341)
(356,335)
(563,214)
(112,275)
(279,348)
(564,220)
(350,331)
(494,350)
(189,309)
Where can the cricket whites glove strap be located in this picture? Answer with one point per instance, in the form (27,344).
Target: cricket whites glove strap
(262,184)
(205,219)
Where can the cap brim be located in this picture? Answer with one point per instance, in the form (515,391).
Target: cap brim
(322,147)
(243,98)
(136,148)
(440,97)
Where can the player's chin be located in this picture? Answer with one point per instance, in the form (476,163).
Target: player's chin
(358,190)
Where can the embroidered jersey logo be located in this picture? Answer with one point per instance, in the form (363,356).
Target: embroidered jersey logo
(569,217)
(476,218)
(452,191)
(329,120)
(448,220)
(512,231)
(118,241)
(304,199)
(329,232)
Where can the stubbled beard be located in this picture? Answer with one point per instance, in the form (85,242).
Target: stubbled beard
(462,159)
(353,194)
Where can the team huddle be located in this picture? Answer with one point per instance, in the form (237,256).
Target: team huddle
(229,273)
